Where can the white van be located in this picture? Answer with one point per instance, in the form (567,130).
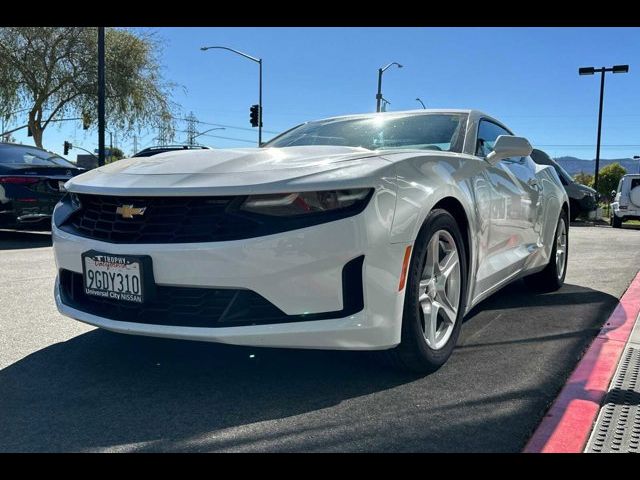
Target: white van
(626,204)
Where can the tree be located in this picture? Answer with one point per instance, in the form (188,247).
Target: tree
(53,71)
(584,179)
(609,178)
(114,154)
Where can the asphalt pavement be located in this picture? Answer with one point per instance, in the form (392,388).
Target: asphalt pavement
(65,386)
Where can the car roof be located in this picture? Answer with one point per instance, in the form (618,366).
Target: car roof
(22,145)
(423,111)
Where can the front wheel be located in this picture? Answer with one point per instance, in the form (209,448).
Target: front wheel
(435,296)
(552,277)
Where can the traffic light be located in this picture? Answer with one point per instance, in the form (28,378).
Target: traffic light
(86,121)
(67,147)
(254,116)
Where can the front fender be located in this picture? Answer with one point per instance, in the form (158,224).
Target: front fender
(422,182)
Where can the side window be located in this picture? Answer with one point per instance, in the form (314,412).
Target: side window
(488,132)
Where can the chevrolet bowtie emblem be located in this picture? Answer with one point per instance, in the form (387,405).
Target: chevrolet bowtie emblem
(129,211)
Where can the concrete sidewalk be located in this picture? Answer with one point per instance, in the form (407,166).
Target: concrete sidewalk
(598,409)
(617,429)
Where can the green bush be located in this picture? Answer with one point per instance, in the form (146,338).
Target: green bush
(609,178)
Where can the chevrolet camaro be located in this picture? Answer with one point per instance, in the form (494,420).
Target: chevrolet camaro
(361,232)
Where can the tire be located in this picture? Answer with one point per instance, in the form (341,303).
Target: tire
(550,279)
(415,353)
(575,211)
(616,221)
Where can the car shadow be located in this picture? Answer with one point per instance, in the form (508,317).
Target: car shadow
(17,240)
(112,389)
(103,390)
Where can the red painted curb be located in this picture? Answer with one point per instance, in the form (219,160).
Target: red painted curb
(567,425)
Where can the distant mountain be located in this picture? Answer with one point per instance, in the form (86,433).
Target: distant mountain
(575,165)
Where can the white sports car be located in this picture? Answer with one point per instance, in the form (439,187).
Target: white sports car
(363,232)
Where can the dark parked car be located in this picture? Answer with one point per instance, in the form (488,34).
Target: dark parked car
(31,183)
(582,199)
(149,152)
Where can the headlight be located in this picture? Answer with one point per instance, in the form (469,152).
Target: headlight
(306,203)
(67,206)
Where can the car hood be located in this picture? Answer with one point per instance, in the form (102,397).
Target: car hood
(234,171)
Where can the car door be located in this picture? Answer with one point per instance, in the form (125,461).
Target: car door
(515,205)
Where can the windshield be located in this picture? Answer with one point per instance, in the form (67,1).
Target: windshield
(563,173)
(434,131)
(28,156)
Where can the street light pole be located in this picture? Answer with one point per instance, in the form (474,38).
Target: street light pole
(595,177)
(421,103)
(259,62)
(602,71)
(260,103)
(379,94)
(207,131)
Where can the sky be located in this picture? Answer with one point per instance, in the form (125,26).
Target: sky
(525,77)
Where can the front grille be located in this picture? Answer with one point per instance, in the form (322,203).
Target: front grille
(206,307)
(192,307)
(185,219)
(165,220)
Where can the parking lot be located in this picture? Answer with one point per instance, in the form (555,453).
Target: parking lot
(65,386)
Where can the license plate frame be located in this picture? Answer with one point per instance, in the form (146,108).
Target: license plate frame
(147,282)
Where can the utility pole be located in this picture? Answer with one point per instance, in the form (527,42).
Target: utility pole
(101,96)
(165,131)
(135,144)
(192,129)
(162,135)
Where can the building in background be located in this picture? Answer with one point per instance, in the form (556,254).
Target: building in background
(86,161)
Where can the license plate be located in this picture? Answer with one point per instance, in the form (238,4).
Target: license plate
(116,277)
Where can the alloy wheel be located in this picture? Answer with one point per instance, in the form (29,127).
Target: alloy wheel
(439,289)
(561,248)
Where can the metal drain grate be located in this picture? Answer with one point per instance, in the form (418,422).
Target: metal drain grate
(618,426)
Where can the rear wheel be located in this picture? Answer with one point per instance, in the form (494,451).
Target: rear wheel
(552,277)
(435,296)
(616,221)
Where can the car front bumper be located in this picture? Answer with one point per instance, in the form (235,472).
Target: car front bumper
(299,271)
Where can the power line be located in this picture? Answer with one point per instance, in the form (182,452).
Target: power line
(229,138)
(223,125)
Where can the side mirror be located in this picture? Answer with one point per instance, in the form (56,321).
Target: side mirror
(507,146)
(613,193)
